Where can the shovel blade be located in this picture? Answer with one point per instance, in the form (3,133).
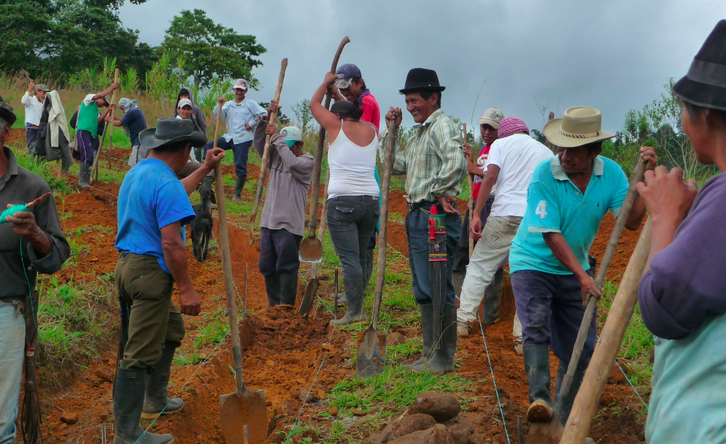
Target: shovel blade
(371,358)
(545,432)
(311,250)
(244,409)
(307,301)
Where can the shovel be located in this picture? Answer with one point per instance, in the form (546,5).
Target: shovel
(551,432)
(266,153)
(311,248)
(371,359)
(243,409)
(312,288)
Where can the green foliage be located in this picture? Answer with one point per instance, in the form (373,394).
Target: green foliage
(42,169)
(303,115)
(211,334)
(213,50)
(57,38)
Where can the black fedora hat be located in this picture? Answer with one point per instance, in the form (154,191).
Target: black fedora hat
(170,131)
(6,112)
(705,83)
(422,79)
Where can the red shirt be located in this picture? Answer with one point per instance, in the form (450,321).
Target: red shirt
(481,162)
(371,110)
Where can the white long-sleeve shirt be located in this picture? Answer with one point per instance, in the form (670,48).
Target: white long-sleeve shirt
(33,109)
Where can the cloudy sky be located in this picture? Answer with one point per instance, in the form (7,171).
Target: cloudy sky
(516,55)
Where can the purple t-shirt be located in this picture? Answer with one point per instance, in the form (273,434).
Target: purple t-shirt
(686,282)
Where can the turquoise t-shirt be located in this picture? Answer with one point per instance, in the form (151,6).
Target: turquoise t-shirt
(151,197)
(556,205)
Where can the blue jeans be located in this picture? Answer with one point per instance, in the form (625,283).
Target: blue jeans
(12,343)
(417,223)
(279,252)
(351,221)
(240,150)
(550,309)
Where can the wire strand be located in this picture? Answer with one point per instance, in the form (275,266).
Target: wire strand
(494,381)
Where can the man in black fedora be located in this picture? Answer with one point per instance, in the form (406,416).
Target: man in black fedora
(31,242)
(434,166)
(152,209)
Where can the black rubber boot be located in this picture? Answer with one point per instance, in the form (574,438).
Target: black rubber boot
(443,359)
(537,365)
(288,288)
(273,286)
(238,185)
(128,402)
(84,174)
(427,311)
(492,298)
(354,293)
(563,405)
(156,400)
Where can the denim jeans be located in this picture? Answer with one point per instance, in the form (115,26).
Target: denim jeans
(351,221)
(12,343)
(551,310)
(240,151)
(417,223)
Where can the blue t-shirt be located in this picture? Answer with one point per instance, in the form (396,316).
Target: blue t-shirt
(556,205)
(135,122)
(151,197)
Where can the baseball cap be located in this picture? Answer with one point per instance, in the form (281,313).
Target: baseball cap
(346,74)
(291,135)
(42,87)
(240,84)
(491,117)
(184,102)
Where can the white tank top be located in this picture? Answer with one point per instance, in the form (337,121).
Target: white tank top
(352,167)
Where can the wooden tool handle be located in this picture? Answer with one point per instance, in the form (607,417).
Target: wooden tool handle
(227,264)
(268,141)
(611,338)
(470,178)
(383,220)
(94,167)
(638,174)
(315,192)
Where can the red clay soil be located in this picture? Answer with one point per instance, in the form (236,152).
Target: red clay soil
(282,352)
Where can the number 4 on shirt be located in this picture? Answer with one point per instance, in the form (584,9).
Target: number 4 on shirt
(541,210)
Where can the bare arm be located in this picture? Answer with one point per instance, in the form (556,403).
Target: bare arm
(485,189)
(176,259)
(325,118)
(557,243)
(106,91)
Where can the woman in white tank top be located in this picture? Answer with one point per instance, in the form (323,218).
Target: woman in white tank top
(353,208)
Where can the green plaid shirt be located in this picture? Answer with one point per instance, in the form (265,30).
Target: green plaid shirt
(433,161)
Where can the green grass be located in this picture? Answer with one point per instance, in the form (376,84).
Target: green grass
(43,169)
(74,320)
(211,333)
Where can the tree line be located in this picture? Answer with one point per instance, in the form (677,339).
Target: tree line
(61,39)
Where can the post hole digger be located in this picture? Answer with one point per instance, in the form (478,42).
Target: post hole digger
(552,431)
(243,412)
(371,359)
(311,248)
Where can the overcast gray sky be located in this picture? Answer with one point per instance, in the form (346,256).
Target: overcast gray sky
(614,55)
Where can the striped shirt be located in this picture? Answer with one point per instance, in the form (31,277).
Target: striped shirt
(433,161)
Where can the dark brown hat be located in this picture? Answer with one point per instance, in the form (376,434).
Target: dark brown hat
(421,79)
(6,112)
(705,83)
(170,131)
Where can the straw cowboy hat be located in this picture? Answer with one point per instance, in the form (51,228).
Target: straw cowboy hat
(579,126)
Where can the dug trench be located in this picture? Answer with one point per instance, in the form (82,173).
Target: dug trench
(285,355)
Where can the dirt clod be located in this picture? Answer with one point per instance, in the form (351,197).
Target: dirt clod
(442,406)
(437,434)
(408,425)
(395,338)
(69,418)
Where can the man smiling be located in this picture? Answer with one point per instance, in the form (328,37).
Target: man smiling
(551,278)
(434,166)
